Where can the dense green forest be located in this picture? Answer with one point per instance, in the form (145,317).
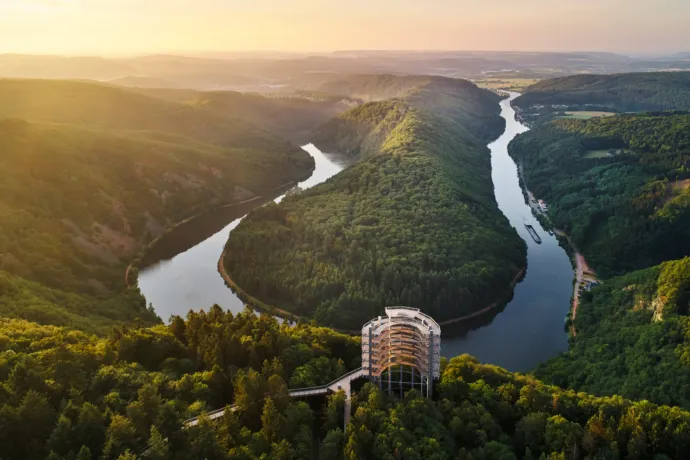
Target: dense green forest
(68,395)
(627,92)
(414,222)
(94,174)
(633,338)
(483,412)
(625,210)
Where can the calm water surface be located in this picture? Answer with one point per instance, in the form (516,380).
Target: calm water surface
(529,330)
(190,280)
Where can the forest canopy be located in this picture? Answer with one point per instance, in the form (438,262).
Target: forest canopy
(617,185)
(632,338)
(69,395)
(414,222)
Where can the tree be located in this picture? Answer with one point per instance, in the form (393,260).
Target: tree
(332,445)
(335,411)
(282,451)
(120,437)
(127,455)
(202,441)
(530,432)
(61,439)
(90,427)
(249,391)
(272,421)
(158,446)
(84,453)
(36,418)
(563,436)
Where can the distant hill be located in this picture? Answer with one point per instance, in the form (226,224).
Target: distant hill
(374,87)
(628,92)
(142,82)
(96,173)
(292,116)
(117,109)
(414,222)
(59,67)
(454,98)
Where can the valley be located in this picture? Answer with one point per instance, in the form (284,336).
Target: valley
(181,250)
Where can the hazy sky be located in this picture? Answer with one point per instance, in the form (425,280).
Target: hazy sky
(132,26)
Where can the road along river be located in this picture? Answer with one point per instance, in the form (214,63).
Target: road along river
(526,331)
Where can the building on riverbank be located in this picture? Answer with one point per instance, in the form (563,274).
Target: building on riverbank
(402,350)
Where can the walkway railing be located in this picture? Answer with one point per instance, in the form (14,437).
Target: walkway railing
(296,393)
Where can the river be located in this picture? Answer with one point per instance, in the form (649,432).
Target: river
(529,330)
(190,280)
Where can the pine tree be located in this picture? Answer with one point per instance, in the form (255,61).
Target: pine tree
(271,421)
(159,448)
(84,453)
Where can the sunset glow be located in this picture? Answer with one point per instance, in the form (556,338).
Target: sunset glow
(142,26)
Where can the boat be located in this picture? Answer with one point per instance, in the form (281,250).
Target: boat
(532,231)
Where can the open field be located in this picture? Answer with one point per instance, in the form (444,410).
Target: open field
(597,153)
(676,188)
(511,84)
(680,184)
(585,115)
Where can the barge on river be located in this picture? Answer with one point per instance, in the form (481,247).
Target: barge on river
(532,231)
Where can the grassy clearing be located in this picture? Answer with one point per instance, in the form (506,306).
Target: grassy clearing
(586,115)
(597,153)
(510,84)
(680,184)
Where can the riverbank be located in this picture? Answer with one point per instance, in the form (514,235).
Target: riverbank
(286,315)
(488,309)
(263,306)
(583,273)
(135,265)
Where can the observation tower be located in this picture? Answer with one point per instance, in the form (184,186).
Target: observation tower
(402,350)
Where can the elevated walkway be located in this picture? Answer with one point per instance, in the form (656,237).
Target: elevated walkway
(343,382)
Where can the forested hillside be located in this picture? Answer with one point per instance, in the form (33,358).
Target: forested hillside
(484,412)
(633,338)
(377,87)
(293,117)
(618,185)
(67,395)
(413,223)
(113,108)
(80,198)
(627,92)
(364,128)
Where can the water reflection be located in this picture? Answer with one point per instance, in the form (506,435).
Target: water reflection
(530,328)
(182,272)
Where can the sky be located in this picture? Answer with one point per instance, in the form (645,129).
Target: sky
(106,27)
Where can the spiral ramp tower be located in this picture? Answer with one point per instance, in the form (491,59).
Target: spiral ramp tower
(402,350)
